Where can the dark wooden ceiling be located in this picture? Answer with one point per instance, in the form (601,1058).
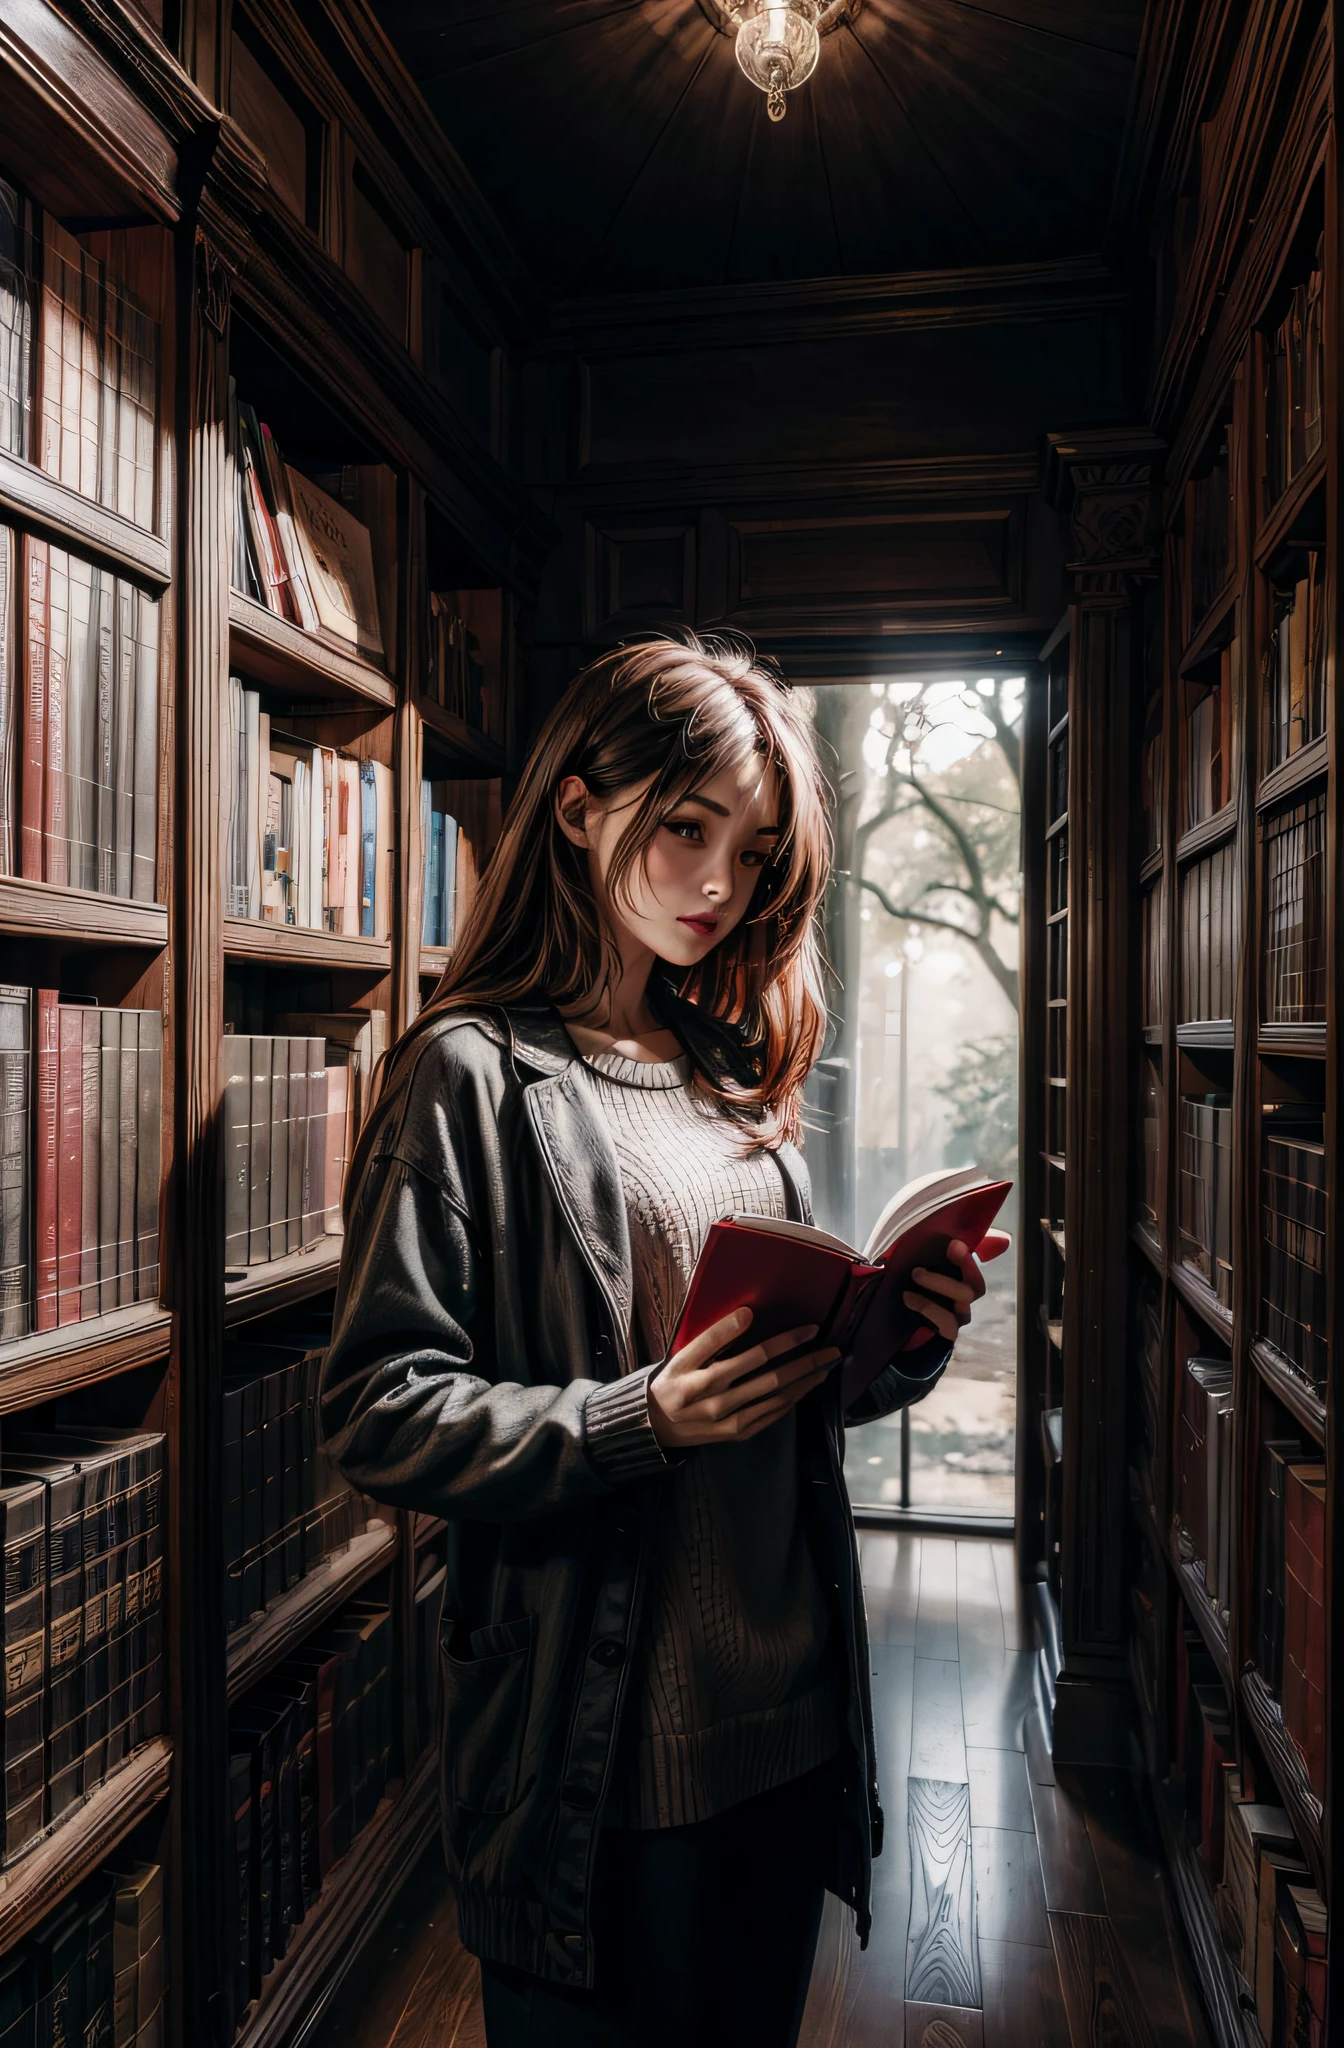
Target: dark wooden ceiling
(623,150)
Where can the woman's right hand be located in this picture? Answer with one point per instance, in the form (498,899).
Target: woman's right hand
(700,1398)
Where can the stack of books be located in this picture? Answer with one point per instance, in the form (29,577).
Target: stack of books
(298,550)
(79,1176)
(1295,666)
(1294,392)
(1294,914)
(83,1514)
(92,1972)
(1204,1463)
(1204,1747)
(310,1761)
(1272,1919)
(79,766)
(286,1507)
(79,364)
(1292,1221)
(1204,1210)
(309,833)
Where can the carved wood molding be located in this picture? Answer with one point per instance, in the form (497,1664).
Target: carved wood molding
(1106,482)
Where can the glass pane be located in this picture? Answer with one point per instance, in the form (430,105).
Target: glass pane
(921,1072)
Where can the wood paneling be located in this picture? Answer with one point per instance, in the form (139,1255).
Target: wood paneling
(639,574)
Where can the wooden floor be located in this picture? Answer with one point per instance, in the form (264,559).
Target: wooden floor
(1014,1906)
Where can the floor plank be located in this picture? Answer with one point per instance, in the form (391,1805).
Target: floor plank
(1068,1866)
(823,2023)
(942,1961)
(1000,1796)
(979,1613)
(890,1562)
(876,1978)
(943,2026)
(1009,1897)
(996,1689)
(1018,1627)
(1103,2006)
(937,1737)
(936,1627)
(1023,2000)
(419,1927)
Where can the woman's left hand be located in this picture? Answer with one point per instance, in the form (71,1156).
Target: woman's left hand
(946,1303)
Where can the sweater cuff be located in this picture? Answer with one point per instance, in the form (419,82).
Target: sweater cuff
(618,1435)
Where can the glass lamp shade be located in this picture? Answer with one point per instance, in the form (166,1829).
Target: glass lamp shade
(777,48)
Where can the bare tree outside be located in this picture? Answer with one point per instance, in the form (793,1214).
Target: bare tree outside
(923,935)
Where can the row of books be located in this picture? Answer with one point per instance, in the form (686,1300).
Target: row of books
(291,1110)
(1291,1593)
(1204,1190)
(1294,384)
(82,1517)
(1210,936)
(91,1974)
(310,1758)
(464,656)
(286,1507)
(298,550)
(1294,667)
(1272,1918)
(1204,1472)
(1294,913)
(79,357)
(310,831)
(79,722)
(80,1109)
(1292,1223)
(440,836)
(1209,743)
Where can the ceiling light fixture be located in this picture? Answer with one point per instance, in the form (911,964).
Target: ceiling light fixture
(778,41)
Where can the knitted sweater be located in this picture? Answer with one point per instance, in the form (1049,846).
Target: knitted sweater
(734,1685)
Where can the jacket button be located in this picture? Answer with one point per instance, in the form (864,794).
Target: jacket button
(580,1798)
(608,1652)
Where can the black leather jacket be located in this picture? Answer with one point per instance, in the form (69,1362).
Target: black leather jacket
(479,1370)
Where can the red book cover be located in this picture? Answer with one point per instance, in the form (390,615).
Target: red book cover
(32,791)
(46,1040)
(790,1274)
(69,1160)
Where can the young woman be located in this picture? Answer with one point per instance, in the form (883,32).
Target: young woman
(656,1739)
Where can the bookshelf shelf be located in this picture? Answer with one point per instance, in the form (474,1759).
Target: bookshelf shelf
(44,910)
(1305,1041)
(1213,1033)
(281,1283)
(1151,866)
(253,1650)
(248,938)
(1295,521)
(347,1913)
(434,960)
(1190,1578)
(54,1362)
(1304,1405)
(1055,1235)
(1306,765)
(1201,1298)
(1218,1980)
(427,1527)
(1213,628)
(275,651)
(1303,1807)
(474,753)
(1207,834)
(76,1846)
(71,520)
(1149,1245)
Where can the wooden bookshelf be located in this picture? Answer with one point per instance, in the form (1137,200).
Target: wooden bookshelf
(39,504)
(434,961)
(272,650)
(59,1361)
(469,752)
(1224,1990)
(290,945)
(252,1651)
(280,1283)
(84,1838)
(347,1913)
(42,910)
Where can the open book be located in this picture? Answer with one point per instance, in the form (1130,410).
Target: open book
(789,1274)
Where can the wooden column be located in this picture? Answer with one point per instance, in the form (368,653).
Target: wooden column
(1105,482)
(197,1666)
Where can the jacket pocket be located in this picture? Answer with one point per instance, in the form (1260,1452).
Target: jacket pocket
(487,1684)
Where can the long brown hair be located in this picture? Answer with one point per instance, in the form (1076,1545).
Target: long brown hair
(678,711)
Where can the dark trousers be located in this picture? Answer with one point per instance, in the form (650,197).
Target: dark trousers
(702,1935)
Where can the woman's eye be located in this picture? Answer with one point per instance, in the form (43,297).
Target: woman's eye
(683,826)
(754,859)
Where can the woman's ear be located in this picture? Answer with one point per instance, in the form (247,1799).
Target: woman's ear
(571,808)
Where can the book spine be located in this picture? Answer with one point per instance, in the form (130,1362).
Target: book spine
(33,777)
(128,1105)
(148,1154)
(368,850)
(144,838)
(231,1450)
(109,1158)
(56,852)
(237,1144)
(46,1152)
(8,696)
(103,599)
(259,1152)
(280,1143)
(69,1160)
(315,1162)
(16,1096)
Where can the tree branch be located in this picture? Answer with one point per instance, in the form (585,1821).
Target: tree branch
(1005,976)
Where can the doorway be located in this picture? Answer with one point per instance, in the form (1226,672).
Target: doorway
(921,1067)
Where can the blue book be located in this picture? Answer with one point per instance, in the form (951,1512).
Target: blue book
(448,898)
(368,840)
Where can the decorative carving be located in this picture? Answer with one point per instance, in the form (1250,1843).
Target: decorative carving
(213,288)
(1106,480)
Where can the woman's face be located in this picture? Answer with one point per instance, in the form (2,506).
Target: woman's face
(700,868)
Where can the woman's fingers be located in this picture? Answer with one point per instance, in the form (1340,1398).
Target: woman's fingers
(744,1393)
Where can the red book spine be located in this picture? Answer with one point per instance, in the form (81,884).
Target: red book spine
(32,792)
(44,1187)
(57,846)
(69,1160)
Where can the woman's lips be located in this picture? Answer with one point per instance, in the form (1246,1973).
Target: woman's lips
(703,925)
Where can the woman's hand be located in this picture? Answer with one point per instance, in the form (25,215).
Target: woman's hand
(946,1303)
(698,1398)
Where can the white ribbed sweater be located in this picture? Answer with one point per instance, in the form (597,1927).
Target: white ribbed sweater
(734,1687)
